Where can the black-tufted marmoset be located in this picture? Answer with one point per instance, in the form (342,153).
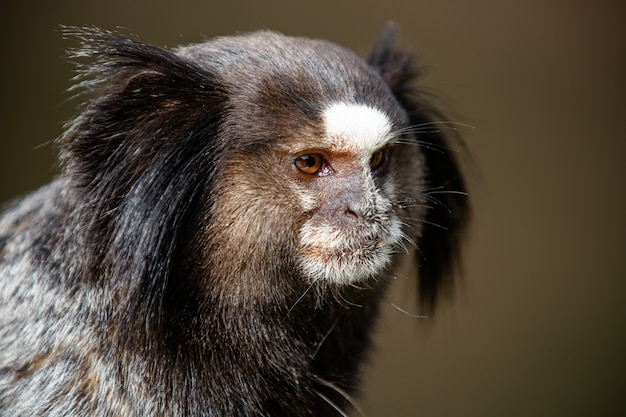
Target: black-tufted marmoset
(225,223)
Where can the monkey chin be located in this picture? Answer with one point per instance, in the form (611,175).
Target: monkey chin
(344,255)
(353,261)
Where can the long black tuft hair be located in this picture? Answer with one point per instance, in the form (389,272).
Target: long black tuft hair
(139,179)
(439,245)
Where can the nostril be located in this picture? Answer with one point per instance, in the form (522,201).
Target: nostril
(353,212)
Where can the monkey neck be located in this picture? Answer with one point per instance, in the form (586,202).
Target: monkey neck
(275,353)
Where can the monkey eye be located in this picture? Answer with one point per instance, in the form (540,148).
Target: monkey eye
(377,159)
(310,163)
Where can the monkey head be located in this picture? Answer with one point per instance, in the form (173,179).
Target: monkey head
(273,164)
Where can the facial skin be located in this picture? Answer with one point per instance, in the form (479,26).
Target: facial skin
(352,229)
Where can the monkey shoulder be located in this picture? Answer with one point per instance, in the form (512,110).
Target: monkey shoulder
(49,354)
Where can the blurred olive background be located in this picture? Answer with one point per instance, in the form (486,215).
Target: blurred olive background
(538,325)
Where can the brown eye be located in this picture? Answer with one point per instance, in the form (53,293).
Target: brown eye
(377,159)
(310,163)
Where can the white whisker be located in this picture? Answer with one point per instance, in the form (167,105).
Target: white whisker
(321,342)
(341,392)
(332,404)
(417,316)
(301,297)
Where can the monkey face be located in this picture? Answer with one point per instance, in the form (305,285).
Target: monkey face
(330,201)
(351,228)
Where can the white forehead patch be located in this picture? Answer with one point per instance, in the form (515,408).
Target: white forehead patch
(356,127)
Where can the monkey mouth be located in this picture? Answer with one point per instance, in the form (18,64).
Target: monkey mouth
(365,248)
(334,254)
(348,263)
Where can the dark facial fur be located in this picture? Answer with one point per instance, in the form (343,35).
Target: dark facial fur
(227,220)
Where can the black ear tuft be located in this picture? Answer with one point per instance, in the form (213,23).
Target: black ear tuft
(141,98)
(138,157)
(439,243)
(397,67)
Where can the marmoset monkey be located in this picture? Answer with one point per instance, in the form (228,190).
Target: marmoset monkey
(226,221)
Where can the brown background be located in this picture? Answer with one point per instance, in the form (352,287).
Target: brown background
(538,326)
